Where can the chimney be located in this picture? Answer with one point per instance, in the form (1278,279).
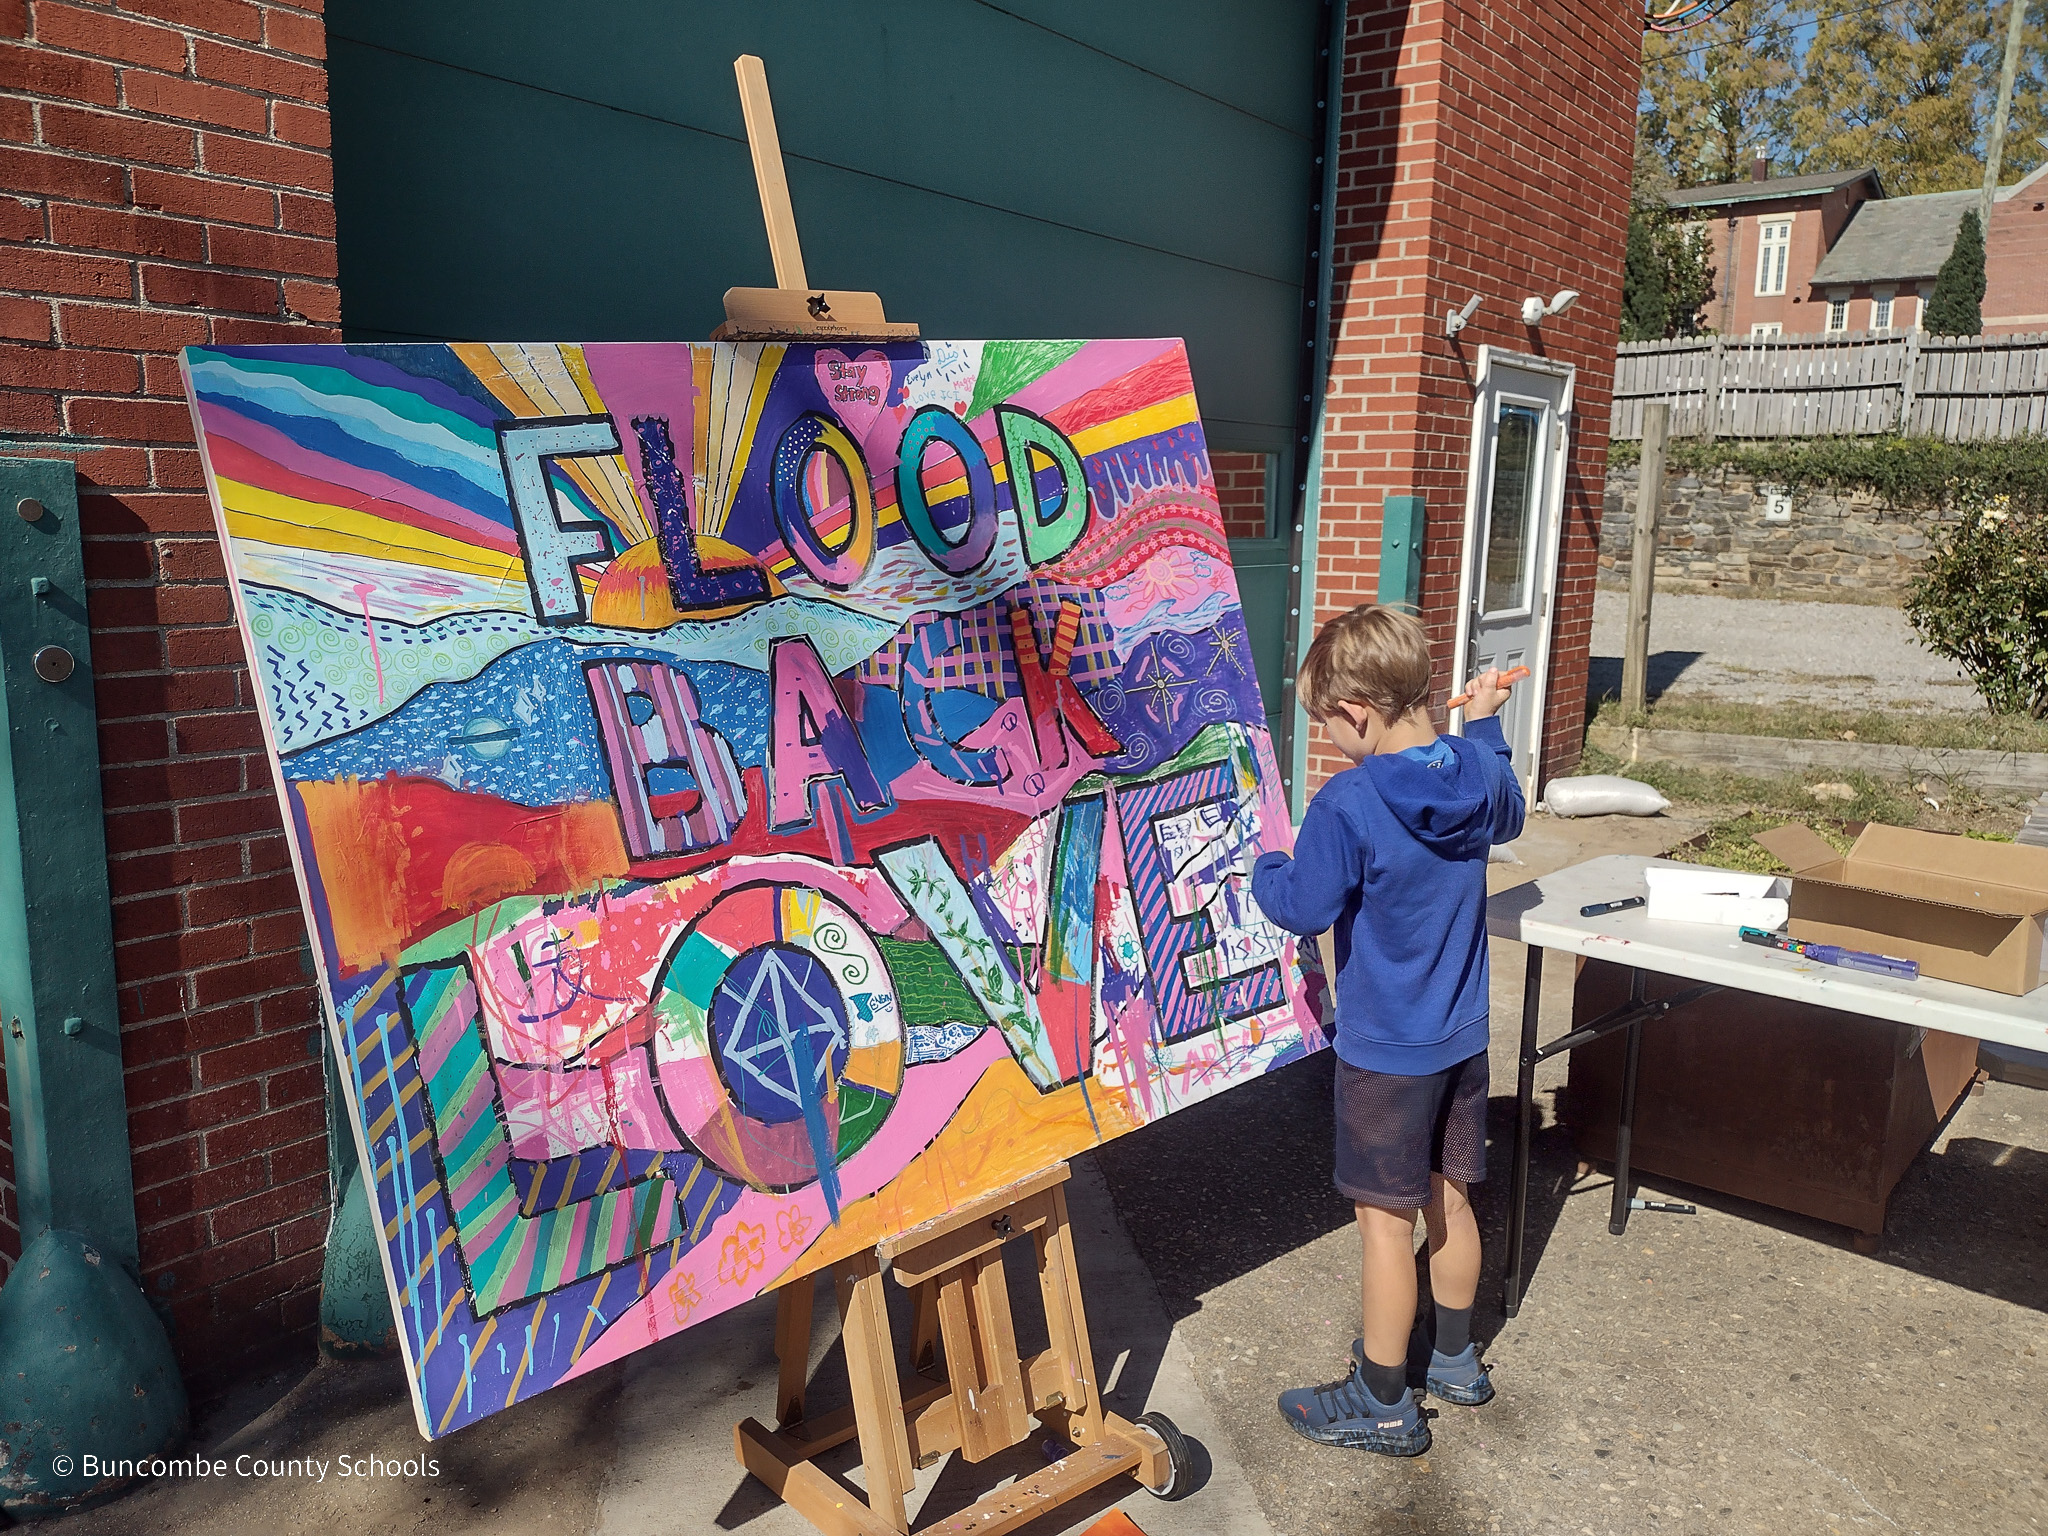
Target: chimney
(1760,167)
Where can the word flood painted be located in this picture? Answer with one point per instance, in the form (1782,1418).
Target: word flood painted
(747,798)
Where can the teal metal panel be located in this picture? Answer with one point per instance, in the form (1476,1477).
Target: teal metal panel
(515,170)
(58,1011)
(1264,581)
(1401,530)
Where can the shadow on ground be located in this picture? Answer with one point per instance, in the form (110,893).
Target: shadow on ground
(1228,1186)
(1603,675)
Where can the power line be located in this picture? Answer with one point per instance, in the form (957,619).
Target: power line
(1748,37)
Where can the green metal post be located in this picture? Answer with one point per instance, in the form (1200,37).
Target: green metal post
(356,1321)
(1401,551)
(85,1367)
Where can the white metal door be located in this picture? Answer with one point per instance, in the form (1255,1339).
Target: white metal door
(1512,520)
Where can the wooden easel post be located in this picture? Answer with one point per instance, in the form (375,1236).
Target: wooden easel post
(792,310)
(978,1397)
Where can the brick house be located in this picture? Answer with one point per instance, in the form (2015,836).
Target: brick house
(1805,255)
(2016,257)
(168,176)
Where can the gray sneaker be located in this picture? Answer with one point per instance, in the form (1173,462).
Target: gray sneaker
(1460,1379)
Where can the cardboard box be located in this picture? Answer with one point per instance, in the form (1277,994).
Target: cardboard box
(1967,910)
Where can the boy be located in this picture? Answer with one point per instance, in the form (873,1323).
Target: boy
(1392,855)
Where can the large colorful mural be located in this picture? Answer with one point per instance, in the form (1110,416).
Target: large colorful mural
(747,798)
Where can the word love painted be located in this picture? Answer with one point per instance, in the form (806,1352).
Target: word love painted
(749,798)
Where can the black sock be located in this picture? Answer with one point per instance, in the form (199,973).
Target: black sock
(1388,1384)
(1453,1329)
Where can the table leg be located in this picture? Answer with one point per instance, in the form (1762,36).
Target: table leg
(1624,1125)
(1525,1113)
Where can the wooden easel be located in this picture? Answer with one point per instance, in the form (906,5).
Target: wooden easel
(792,310)
(967,1389)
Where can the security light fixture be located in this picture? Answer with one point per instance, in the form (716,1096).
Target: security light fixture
(1457,319)
(1534,309)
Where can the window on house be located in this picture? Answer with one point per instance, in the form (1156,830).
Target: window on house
(1881,313)
(1774,250)
(1766,328)
(1838,314)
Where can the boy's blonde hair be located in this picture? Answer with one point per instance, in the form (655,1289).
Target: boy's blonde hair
(1371,655)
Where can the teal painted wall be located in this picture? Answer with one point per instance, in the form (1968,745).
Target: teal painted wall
(510,170)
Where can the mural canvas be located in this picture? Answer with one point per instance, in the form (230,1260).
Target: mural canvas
(747,798)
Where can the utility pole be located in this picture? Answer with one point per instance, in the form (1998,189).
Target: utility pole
(1642,567)
(1994,146)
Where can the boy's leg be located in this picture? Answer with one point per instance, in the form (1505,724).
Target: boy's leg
(1454,1372)
(1453,1260)
(1389,1299)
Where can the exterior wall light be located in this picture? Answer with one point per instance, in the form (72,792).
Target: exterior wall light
(1457,319)
(1534,309)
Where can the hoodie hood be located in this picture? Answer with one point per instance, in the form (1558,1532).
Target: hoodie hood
(1445,805)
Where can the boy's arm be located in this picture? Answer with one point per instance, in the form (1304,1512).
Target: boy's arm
(1304,892)
(1504,788)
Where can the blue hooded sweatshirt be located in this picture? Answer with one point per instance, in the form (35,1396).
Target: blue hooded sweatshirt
(1392,855)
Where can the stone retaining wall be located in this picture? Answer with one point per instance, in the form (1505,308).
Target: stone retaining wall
(1716,533)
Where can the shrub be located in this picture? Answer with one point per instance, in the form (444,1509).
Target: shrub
(1982,599)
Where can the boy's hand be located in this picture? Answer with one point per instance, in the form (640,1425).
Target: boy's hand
(1487,693)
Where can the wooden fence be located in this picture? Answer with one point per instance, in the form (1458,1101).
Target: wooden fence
(1961,388)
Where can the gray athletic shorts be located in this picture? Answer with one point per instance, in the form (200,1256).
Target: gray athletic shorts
(1393,1132)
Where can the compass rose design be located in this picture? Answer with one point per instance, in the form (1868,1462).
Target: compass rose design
(781,1032)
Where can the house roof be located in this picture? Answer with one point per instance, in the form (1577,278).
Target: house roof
(1727,194)
(2025,185)
(1898,238)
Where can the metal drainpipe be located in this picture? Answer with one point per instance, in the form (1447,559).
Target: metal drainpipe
(86,1370)
(1302,607)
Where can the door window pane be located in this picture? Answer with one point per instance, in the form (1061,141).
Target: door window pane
(1510,508)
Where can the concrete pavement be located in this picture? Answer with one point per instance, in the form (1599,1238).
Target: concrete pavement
(645,1448)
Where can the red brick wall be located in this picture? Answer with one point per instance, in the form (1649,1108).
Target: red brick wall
(2016,263)
(1484,149)
(164,180)
(1241,491)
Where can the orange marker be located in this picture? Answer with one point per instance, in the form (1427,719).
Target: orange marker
(1513,675)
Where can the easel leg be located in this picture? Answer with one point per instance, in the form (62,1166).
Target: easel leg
(1625,1122)
(924,1327)
(793,1349)
(877,1395)
(1525,1113)
(1066,1323)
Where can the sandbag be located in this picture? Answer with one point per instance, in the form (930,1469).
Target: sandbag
(1602,794)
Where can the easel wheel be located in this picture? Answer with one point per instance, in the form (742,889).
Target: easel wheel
(1181,1482)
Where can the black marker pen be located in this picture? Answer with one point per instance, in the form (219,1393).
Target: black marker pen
(1602,908)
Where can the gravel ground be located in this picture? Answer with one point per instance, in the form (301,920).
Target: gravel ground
(1752,651)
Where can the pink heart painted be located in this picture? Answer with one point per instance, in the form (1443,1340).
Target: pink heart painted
(856,388)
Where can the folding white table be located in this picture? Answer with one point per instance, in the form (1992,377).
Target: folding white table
(1544,914)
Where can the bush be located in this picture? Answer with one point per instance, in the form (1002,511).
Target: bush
(1982,599)
(1956,308)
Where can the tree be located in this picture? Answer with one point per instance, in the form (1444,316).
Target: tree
(1908,88)
(1645,306)
(1713,93)
(1956,308)
(1665,277)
